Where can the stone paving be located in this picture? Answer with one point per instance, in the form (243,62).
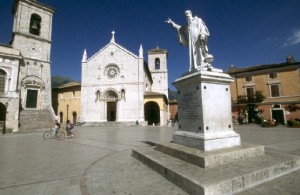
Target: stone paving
(100,162)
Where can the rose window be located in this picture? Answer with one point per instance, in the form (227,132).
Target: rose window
(111,72)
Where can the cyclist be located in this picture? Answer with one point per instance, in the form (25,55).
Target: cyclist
(56,128)
(69,127)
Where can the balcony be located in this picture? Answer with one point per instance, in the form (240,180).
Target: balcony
(9,94)
(243,99)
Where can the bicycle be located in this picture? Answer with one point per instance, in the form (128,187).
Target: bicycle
(73,134)
(49,135)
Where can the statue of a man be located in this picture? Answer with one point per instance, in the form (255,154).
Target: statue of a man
(194,35)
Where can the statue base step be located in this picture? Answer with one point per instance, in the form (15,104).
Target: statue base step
(211,159)
(228,178)
(207,142)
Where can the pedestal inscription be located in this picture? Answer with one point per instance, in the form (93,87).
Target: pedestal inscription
(190,105)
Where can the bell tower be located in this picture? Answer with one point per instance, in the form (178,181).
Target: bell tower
(32,30)
(157,59)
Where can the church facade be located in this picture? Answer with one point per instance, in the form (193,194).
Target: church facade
(119,86)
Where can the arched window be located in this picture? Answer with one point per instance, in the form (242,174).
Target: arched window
(2,80)
(35,24)
(98,95)
(157,63)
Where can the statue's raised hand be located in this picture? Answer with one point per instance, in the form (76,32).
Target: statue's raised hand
(169,21)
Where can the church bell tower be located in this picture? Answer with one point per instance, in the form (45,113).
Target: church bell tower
(157,59)
(32,30)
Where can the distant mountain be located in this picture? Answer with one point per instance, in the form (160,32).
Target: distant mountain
(58,80)
(172,95)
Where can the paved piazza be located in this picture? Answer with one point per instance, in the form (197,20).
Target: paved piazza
(100,162)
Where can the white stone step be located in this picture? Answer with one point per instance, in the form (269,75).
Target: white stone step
(212,158)
(225,179)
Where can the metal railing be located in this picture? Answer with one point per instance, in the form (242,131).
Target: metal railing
(242,99)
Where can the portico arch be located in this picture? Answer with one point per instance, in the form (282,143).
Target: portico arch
(152,113)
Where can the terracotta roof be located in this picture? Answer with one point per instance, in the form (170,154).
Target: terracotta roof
(71,84)
(262,67)
(152,93)
(157,50)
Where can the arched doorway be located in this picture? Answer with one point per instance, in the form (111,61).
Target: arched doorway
(61,117)
(152,114)
(2,117)
(74,117)
(111,105)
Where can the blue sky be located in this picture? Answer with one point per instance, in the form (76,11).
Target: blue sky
(243,32)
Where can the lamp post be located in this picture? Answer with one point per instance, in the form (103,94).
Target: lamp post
(67,111)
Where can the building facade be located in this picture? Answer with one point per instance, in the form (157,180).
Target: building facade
(272,90)
(10,60)
(66,102)
(25,64)
(118,85)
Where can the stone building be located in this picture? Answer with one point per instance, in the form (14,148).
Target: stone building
(25,66)
(66,102)
(119,86)
(278,83)
(10,60)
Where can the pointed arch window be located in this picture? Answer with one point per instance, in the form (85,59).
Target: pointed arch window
(35,24)
(2,80)
(157,63)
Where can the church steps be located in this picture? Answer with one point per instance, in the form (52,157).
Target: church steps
(35,120)
(225,179)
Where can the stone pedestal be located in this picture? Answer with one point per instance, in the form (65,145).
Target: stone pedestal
(204,111)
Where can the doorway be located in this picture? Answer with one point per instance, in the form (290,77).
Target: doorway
(2,112)
(111,111)
(74,117)
(152,113)
(2,117)
(278,115)
(31,100)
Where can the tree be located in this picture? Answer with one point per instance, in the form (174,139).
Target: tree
(58,80)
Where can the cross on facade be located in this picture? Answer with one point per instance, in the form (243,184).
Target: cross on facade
(113,37)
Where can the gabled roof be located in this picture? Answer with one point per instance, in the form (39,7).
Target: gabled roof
(115,44)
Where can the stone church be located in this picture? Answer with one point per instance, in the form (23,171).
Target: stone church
(25,78)
(118,85)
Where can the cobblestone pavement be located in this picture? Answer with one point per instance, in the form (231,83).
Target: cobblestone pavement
(99,161)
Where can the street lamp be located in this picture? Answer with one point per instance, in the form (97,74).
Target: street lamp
(67,111)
